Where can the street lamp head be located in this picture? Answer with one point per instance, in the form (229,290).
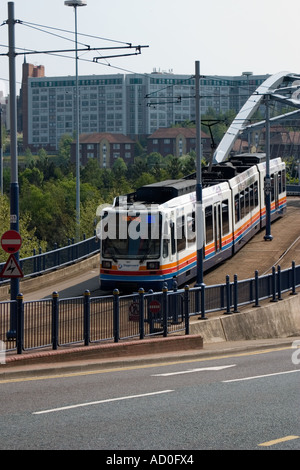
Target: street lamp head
(75,3)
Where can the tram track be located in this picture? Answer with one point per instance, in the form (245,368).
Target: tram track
(284,254)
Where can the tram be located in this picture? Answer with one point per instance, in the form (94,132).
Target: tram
(151,236)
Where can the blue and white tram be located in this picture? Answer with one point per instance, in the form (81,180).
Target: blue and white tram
(149,237)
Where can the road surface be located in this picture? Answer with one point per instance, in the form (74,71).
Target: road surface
(242,401)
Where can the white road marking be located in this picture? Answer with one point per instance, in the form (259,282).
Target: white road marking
(262,376)
(189,371)
(100,402)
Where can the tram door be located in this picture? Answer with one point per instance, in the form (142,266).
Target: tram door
(217,215)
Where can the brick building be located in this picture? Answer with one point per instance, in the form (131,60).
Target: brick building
(105,148)
(177,141)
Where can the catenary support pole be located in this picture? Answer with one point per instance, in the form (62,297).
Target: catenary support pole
(267,188)
(14,185)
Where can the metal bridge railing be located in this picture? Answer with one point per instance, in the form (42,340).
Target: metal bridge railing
(293,190)
(41,263)
(85,320)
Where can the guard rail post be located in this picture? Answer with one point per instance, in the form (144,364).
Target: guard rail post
(273,285)
(34,260)
(279,282)
(141,313)
(55,313)
(20,324)
(86,318)
(186,301)
(256,280)
(203,317)
(227,295)
(39,260)
(116,316)
(293,279)
(165,311)
(149,313)
(174,302)
(235,294)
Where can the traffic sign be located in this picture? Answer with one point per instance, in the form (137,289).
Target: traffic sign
(11,241)
(134,313)
(154,307)
(11,268)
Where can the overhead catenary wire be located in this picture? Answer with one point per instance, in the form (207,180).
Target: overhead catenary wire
(79,34)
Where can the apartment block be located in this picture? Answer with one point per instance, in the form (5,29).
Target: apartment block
(135,105)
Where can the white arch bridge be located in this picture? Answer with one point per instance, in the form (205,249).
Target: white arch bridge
(283,87)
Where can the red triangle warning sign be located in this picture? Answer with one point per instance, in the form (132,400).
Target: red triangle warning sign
(11,268)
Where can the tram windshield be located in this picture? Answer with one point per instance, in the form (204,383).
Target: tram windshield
(136,236)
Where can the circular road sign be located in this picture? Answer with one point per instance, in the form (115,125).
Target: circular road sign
(154,307)
(11,241)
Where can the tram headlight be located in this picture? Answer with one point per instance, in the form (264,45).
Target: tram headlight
(106,264)
(153,265)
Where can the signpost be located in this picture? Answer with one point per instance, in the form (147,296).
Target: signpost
(11,242)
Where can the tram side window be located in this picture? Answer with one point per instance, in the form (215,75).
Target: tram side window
(209,230)
(191,234)
(165,241)
(173,246)
(225,217)
(247,201)
(237,207)
(279,182)
(272,187)
(251,200)
(283,181)
(255,194)
(242,204)
(180,233)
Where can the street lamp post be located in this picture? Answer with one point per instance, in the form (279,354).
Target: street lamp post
(199,213)
(75,4)
(14,184)
(267,188)
(1,154)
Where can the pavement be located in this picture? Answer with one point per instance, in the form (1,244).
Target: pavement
(130,354)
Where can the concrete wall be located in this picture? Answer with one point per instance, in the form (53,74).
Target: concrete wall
(272,320)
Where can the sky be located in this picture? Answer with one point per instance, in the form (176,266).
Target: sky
(227,37)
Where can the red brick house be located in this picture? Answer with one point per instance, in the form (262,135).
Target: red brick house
(177,141)
(105,148)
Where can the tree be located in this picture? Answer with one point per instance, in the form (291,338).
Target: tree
(188,164)
(64,149)
(144,179)
(174,167)
(27,232)
(92,174)
(137,168)
(119,168)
